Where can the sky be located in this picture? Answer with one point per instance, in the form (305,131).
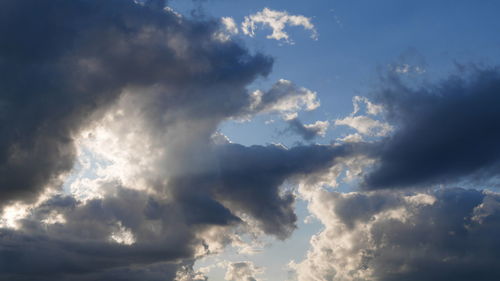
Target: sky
(249,140)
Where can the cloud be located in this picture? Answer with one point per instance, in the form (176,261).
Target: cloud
(229,28)
(178,227)
(445,132)
(242,271)
(308,131)
(363,124)
(60,74)
(277,21)
(285,98)
(444,234)
(406,68)
(230,25)
(139,92)
(409,62)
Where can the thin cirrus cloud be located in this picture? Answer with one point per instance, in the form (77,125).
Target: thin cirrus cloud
(390,229)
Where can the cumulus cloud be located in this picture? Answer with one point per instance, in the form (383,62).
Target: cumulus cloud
(84,59)
(242,271)
(446,131)
(404,236)
(409,62)
(228,29)
(277,21)
(137,94)
(308,131)
(284,98)
(365,125)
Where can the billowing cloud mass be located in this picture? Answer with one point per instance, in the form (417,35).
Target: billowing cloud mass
(112,165)
(285,98)
(445,131)
(60,74)
(242,271)
(445,234)
(144,90)
(277,21)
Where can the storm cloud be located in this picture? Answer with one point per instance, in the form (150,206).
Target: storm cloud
(445,131)
(113,166)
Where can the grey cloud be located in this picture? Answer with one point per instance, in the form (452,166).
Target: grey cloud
(69,64)
(446,234)
(307,132)
(250,178)
(64,62)
(444,131)
(247,180)
(241,271)
(283,97)
(81,246)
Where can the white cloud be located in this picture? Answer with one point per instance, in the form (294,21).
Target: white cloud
(229,28)
(363,124)
(277,21)
(407,68)
(395,235)
(284,97)
(242,271)
(320,127)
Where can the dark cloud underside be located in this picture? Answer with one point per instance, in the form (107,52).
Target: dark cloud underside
(445,131)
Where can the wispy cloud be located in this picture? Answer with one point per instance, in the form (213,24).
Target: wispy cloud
(277,21)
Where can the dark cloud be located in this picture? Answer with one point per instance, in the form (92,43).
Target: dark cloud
(64,62)
(306,132)
(81,246)
(446,234)
(63,66)
(247,180)
(68,65)
(241,271)
(444,131)
(445,240)
(250,178)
